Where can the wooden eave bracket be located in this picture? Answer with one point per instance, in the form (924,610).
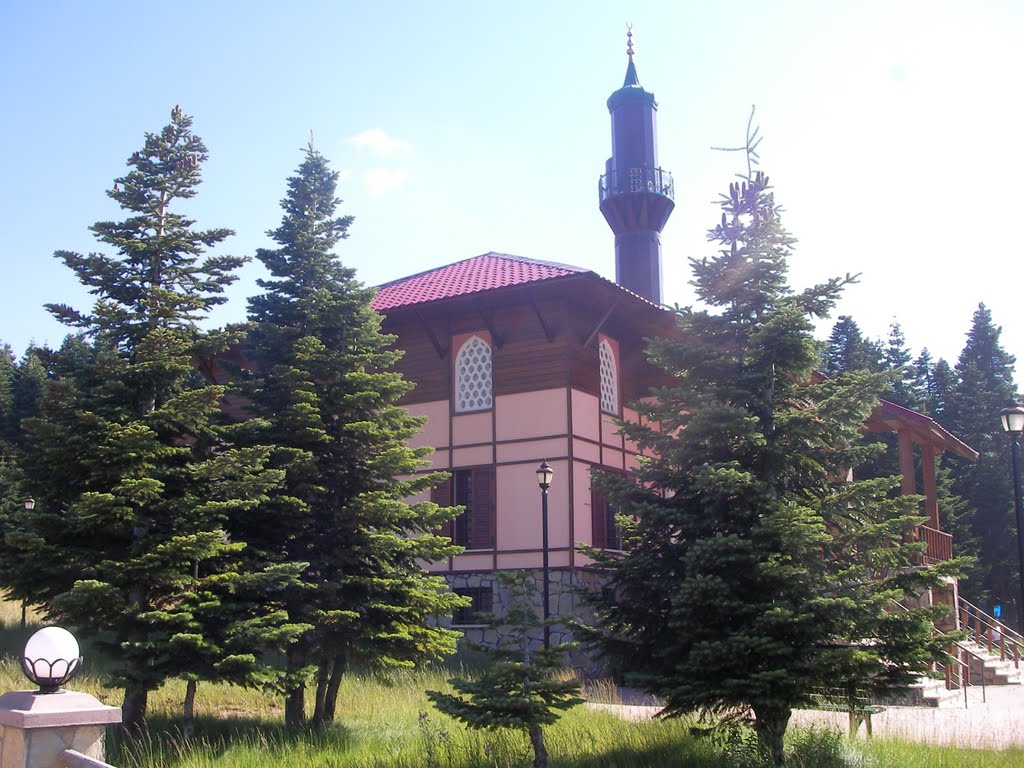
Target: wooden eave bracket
(441,351)
(600,323)
(548,333)
(487,315)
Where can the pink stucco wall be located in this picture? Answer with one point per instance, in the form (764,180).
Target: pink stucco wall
(470,428)
(585,419)
(532,450)
(610,434)
(471,457)
(435,431)
(531,414)
(581,506)
(519,507)
(581,449)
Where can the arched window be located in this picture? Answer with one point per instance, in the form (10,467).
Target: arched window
(609,378)
(473,376)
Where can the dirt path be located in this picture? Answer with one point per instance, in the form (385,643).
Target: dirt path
(997,722)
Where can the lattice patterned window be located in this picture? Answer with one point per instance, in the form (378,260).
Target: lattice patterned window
(609,378)
(473,376)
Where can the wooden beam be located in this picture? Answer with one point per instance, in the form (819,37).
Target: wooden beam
(600,323)
(488,317)
(540,319)
(441,351)
(908,483)
(931,496)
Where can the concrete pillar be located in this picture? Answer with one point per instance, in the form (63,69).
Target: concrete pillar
(36,728)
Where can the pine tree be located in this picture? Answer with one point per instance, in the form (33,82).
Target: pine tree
(897,360)
(924,380)
(848,350)
(21,385)
(11,493)
(322,392)
(984,386)
(943,386)
(135,484)
(752,576)
(522,686)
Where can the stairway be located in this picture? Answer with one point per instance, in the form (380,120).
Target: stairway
(990,665)
(992,652)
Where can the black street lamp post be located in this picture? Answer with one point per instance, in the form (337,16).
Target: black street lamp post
(30,504)
(544,477)
(1013,424)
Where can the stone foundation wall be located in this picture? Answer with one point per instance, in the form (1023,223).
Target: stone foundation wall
(565,601)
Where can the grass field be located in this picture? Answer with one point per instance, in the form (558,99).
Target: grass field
(387,722)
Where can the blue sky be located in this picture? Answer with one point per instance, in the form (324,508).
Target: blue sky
(891,133)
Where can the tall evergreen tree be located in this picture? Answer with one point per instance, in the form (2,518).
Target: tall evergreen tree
(848,350)
(751,576)
(10,490)
(21,385)
(943,385)
(898,360)
(984,386)
(134,481)
(322,391)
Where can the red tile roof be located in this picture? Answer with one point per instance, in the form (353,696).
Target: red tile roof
(480,273)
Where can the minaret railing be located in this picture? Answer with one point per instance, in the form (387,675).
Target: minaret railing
(633,180)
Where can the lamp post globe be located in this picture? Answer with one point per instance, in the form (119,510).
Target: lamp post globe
(51,658)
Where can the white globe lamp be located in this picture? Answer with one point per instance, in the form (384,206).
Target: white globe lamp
(52,657)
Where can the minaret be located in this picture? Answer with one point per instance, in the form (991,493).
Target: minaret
(636,195)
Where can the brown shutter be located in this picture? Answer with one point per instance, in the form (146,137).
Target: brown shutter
(442,496)
(482,513)
(599,518)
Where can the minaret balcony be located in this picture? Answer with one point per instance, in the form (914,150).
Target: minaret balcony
(633,180)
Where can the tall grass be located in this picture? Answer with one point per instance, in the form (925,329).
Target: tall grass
(386,721)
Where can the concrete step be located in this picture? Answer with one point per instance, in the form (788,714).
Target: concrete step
(995,671)
(928,692)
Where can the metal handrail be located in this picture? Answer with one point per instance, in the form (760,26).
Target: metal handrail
(975,611)
(963,649)
(965,675)
(990,633)
(631,180)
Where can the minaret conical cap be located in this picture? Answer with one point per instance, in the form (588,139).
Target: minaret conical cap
(631,90)
(631,76)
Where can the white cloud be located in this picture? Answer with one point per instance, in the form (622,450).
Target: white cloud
(382,180)
(379,142)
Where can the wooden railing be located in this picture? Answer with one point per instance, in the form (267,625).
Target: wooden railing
(939,544)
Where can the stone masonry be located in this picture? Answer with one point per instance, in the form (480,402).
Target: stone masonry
(565,601)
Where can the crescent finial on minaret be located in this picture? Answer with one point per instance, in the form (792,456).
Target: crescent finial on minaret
(631,78)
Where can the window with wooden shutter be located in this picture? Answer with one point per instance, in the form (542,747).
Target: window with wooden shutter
(607,533)
(599,518)
(482,533)
(442,496)
(474,490)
